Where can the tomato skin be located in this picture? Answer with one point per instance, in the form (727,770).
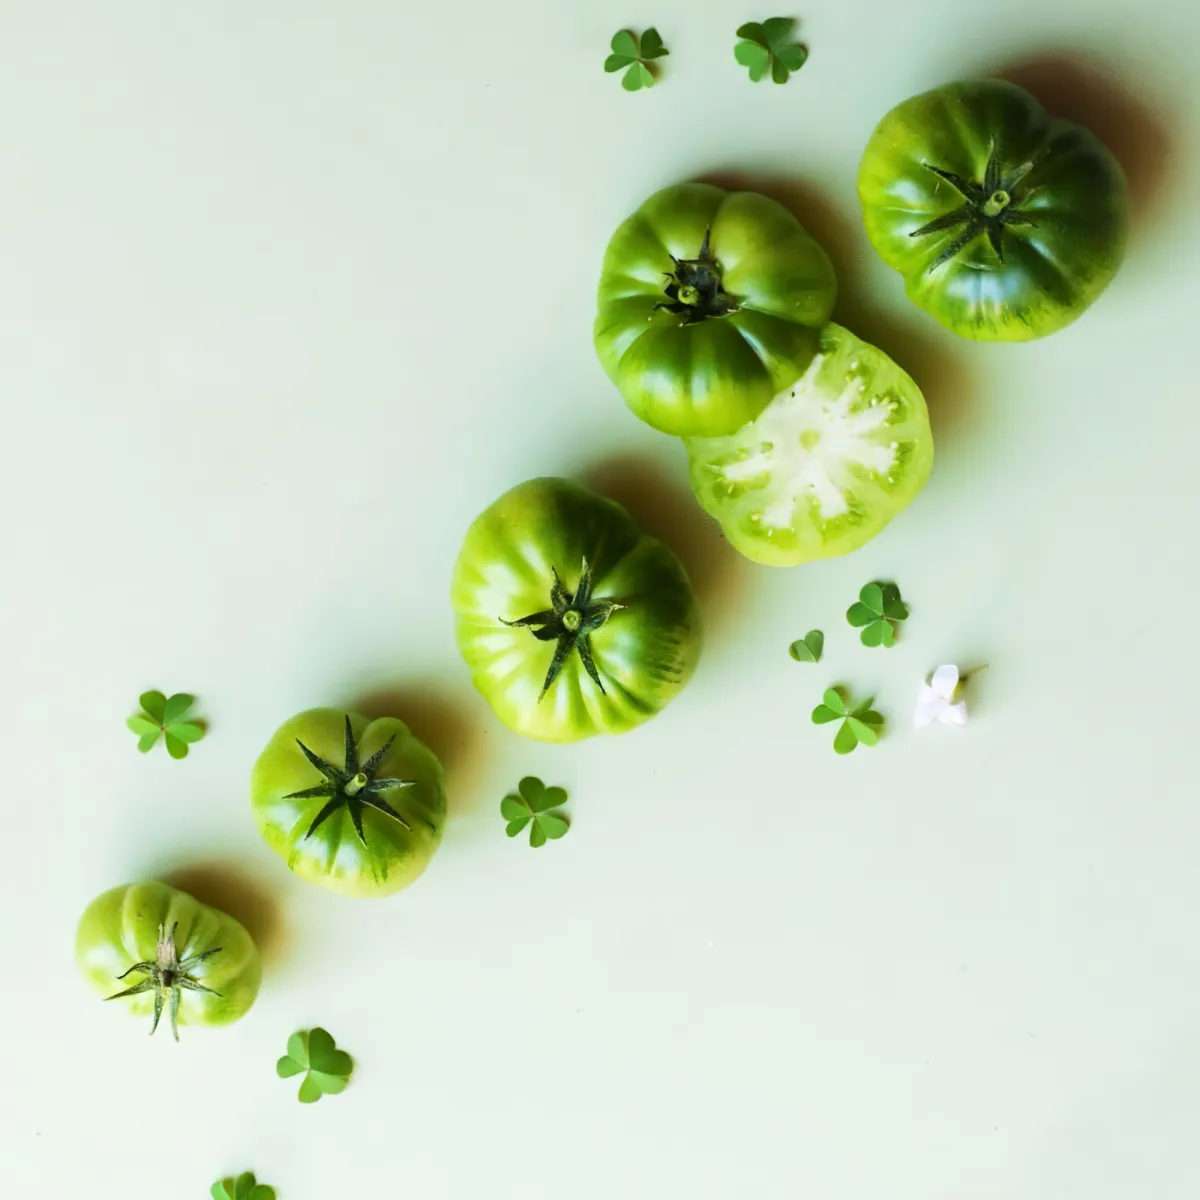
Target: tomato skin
(120,927)
(710,377)
(760,484)
(333,856)
(644,653)
(1068,213)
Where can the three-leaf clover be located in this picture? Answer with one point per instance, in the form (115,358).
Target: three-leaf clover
(860,724)
(328,1068)
(628,50)
(767,46)
(163,717)
(876,612)
(244,1187)
(532,807)
(808,648)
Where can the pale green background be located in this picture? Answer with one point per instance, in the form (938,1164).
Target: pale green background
(290,291)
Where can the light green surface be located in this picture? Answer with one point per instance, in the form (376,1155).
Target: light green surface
(288,293)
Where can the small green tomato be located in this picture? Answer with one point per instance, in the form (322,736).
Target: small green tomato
(354,805)
(152,947)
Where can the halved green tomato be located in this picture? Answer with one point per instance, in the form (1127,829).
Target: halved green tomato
(829,462)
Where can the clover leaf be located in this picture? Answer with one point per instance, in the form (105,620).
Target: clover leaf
(628,50)
(808,648)
(163,717)
(532,807)
(328,1069)
(243,1187)
(768,46)
(876,613)
(859,724)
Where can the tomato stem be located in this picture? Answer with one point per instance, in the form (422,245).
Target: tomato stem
(569,622)
(996,203)
(166,977)
(356,784)
(694,290)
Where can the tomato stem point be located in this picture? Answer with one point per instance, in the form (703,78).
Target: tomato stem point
(996,203)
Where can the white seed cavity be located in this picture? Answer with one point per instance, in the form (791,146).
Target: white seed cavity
(806,449)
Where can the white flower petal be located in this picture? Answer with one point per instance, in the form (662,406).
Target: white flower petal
(928,710)
(945,680)
(955,714)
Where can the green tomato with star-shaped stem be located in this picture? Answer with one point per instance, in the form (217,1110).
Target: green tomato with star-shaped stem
(572,621)
(354,805)
(1005,223)
(708,307)
(158,950)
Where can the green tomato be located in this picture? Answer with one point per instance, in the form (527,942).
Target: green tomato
(708,306)
(831,460)
(356,806)
(1004,222)
(572,621)
(154,947)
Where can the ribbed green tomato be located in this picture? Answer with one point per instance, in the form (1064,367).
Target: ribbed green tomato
(154,947)
(356,806)
(829,462)
(1004,222)
(572,621)
(708,306)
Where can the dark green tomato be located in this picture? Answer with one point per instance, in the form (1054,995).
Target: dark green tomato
(1005,223)
(354,805)
(708,307)
(572,621)
(155,949)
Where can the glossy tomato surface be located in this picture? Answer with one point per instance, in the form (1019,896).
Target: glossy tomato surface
(141,938)
(708,305)
(572,621)
(829,462)
(354,805)
(1005,223)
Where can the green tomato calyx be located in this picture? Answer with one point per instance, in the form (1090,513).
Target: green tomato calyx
(570,621)
(694,289)
(352,786)
(167,976)
(989,209)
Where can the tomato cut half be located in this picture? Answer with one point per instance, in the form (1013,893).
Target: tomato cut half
(829,462)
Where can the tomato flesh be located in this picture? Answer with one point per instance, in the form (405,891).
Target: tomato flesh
(826,465)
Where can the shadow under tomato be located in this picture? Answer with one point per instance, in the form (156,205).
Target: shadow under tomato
(1071,86)
(670,513)
(931,355)
(443,721)
(235,888)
